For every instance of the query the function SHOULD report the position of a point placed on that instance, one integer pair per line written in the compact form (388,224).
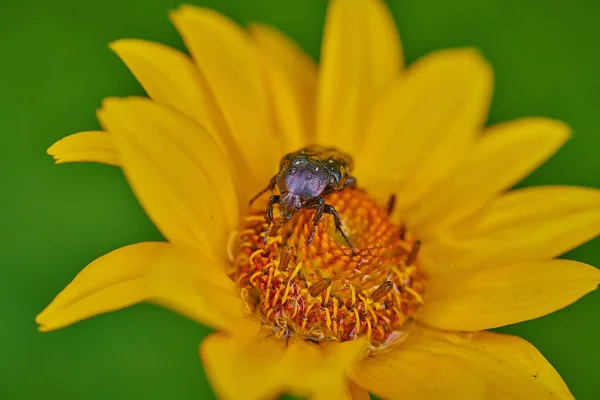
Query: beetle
(305,177)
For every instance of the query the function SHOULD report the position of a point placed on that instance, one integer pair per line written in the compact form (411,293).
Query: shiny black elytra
(304,178)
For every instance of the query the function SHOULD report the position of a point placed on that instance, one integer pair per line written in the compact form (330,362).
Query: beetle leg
(317,203)
(350,182)
(391,204)
(269,216)
(271,186)
(338,224)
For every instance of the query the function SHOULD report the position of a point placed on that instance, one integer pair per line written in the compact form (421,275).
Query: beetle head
(290,203)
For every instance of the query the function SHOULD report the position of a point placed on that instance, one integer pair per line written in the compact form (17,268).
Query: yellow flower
(396,319)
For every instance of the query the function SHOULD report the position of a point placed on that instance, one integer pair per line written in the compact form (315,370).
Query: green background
(55,69)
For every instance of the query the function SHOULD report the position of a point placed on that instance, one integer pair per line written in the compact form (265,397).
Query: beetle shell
(304,178)
(313,170)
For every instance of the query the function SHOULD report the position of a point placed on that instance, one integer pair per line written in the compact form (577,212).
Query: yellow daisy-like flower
(405,317)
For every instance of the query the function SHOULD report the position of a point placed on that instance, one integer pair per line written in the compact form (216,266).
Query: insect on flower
(305,177)
(463,253)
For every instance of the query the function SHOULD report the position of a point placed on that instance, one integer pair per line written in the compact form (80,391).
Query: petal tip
(51,151)
(188,11)
(54,152)
(255,27)
(112,103)
(114,45)
(556,126)
(564,129)
(108,102)
(193,15)
(46,326)
(42,321)
(475,56)
(117,46)
(467,60)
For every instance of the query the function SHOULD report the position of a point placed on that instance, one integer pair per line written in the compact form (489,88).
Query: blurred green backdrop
(55,69)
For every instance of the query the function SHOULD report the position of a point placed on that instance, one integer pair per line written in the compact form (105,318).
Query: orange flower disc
(321,291)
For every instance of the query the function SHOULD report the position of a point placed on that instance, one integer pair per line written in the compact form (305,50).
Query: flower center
(321,291)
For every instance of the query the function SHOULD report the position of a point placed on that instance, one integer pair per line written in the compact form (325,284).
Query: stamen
(254,218)
(254,254)
(280,322)
(271,270)
(248,309)
(296,308)
(402,231)
(243,276)
(335,315)
(289,282)
(246,246)
(416,295)
(296,270)
(276,296)
(391,204)
(412,256)
(327,294)
(273,239)
(328,318)
(310,306)
(322,291)
(357,323)
(382,291)
(353,295)
(254,276)
(318,287)
(373,314)
(286,256)
(269,313)
(233,236)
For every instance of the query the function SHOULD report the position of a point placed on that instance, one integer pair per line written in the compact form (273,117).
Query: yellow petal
(177,171)
(111,282)
(506,154)
(525,224)
(291,78)
(486,298)
(264,367)
(190,283)
(147,272)
(92,146)
(426,123)
(511,367)
(357,392)
(418,369)
(331,362)
(361,56)
(229,359)
(171,78)
(229,62)
(433,364)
